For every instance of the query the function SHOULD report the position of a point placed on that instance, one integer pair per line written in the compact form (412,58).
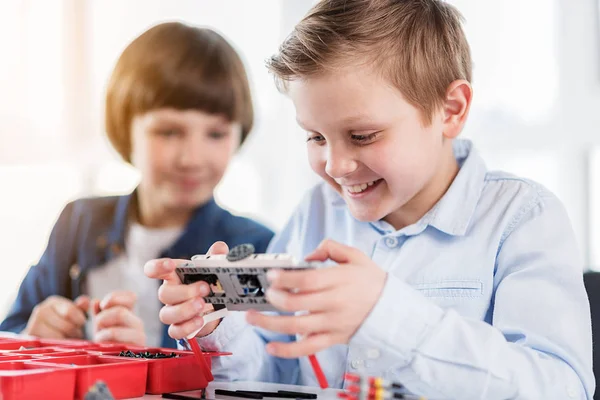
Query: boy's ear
(456,107)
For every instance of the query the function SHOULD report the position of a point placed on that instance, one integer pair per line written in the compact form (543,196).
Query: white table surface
(327,394)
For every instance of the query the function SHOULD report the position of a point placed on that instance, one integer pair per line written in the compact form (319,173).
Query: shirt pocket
(450,288)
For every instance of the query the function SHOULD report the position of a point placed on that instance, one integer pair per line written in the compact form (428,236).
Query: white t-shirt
(126,272)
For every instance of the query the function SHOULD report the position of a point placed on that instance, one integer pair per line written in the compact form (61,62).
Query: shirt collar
(201,220)
(455,210)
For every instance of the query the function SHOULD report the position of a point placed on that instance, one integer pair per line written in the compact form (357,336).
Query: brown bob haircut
(417,45)
(173,65)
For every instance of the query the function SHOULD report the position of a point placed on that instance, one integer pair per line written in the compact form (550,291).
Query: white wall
(550,139)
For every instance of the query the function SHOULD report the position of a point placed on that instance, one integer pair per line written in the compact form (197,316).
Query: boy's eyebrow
(353,119)
(363,118)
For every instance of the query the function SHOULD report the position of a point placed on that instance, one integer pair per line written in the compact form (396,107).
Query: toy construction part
(238,280)
(240,252)
(99,392)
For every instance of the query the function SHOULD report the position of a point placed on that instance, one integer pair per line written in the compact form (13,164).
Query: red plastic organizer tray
(125,378)
(16,344)
(27,380)
(43,352)
(179,374)
(28,369)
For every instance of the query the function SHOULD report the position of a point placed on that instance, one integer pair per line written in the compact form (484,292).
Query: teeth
(360,188)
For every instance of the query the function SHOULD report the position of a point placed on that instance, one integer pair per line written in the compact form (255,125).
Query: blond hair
(418,45)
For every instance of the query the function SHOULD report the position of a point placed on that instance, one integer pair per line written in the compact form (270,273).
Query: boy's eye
(216,135)
(315,138)
(364,138)
(169,132)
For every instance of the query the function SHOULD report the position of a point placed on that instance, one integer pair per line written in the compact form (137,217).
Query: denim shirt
(484,297)
(90,232)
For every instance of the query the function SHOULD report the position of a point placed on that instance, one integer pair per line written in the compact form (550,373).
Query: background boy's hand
(337,298)
(58,318)
(184,304)
(115,321)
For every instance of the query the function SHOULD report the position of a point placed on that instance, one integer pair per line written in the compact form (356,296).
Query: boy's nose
(191,152)
(189,156)
(340,164)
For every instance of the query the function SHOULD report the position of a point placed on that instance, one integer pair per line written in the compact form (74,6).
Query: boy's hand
(184,304)
(58,318)
(115,320)
(337,298)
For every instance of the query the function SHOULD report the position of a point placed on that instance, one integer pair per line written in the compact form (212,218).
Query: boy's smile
(372,146)
(360,189)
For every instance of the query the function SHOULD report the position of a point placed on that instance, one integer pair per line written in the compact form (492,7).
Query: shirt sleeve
(539,346)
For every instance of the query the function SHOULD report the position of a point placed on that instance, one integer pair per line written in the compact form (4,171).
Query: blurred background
(536,110)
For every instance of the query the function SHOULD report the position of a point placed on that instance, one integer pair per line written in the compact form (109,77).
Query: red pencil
(201,360)
(318,371)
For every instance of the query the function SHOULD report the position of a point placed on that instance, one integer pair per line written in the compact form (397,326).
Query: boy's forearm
(441,354)
(485,366)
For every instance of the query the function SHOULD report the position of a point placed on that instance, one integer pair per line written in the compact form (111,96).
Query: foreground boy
(459,282)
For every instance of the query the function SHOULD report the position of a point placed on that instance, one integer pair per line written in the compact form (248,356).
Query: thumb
(337,252)
(218,248)
(163,268)
(83,302)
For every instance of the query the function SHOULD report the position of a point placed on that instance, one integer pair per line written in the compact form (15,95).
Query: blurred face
(182,156)
(371,146)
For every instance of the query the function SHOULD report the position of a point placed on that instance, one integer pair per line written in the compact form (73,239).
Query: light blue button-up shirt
(484,297)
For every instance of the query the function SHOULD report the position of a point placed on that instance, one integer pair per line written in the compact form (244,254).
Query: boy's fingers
(68,311)
(310,280)
(218,248)
(182,312)
(83,303)
(47,331)
(117,316)
(175,294)
(124,298)
(163,268)
(337,252)
(183,330)
(56,320)
(121,335)
(321,300)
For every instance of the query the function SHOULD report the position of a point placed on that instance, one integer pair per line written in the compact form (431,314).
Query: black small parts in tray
(146,354)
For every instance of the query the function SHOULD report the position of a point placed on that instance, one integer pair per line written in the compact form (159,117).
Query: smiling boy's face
(371,145)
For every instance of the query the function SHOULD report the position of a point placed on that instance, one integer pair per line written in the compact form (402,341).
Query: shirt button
(74,272)
(391,242)
(116,249)
(572,392)
(356,364)
(101,242)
